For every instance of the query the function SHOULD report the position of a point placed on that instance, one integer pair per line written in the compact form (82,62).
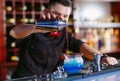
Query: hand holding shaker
(51,25)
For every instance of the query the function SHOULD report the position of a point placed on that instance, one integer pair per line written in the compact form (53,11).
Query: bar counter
(107,73)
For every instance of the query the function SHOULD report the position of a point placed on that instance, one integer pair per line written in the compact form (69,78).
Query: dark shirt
(40,53)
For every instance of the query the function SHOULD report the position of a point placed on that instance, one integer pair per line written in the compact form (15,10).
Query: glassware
(97,60)
(45,77)
(60,73)
(73,63)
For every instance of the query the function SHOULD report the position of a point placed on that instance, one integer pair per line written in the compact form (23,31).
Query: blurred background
(96,22)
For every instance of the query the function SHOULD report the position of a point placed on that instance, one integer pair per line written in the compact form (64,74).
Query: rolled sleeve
(74,44)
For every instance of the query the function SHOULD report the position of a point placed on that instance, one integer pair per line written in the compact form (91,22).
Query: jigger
(97,59)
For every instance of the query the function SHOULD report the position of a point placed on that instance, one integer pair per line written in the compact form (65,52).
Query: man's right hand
(47,15)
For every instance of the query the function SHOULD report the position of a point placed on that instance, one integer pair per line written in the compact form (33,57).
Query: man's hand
(109,60)
(47,15)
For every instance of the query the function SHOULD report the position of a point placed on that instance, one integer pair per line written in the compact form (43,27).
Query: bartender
(41,50)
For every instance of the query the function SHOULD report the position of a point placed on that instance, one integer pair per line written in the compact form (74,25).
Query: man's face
(62,11)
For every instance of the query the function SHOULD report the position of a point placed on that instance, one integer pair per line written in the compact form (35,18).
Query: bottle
(51,25)
(11,21)
(9,8)
(14,58)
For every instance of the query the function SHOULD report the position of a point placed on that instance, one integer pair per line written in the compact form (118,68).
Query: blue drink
(73,63)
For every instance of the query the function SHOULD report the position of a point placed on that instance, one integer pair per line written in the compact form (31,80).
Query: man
(40,52)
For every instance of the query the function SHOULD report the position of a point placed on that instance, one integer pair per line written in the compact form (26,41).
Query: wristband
(104,56)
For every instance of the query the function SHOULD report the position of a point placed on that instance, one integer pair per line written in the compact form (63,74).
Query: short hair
(63,2)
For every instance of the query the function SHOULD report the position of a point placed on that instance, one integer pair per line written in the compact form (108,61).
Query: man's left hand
(109,60)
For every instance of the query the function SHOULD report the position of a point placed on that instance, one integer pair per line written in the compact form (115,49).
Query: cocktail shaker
(51,25)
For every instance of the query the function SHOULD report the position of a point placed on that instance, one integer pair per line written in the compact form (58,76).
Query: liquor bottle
(11,21)
(24,20)
(14,58)
(107,39)
(9,8)
(31,20)
(116,18)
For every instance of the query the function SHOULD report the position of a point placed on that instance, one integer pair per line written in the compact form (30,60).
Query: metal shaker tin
(52,25)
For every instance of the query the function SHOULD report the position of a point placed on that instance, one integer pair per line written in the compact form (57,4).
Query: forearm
(22,30)
(88,51)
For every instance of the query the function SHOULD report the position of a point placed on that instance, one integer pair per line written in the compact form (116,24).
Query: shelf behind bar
(112,51)
(26,12)
(41,1)
(8,64)
(99,25)
(13,49)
